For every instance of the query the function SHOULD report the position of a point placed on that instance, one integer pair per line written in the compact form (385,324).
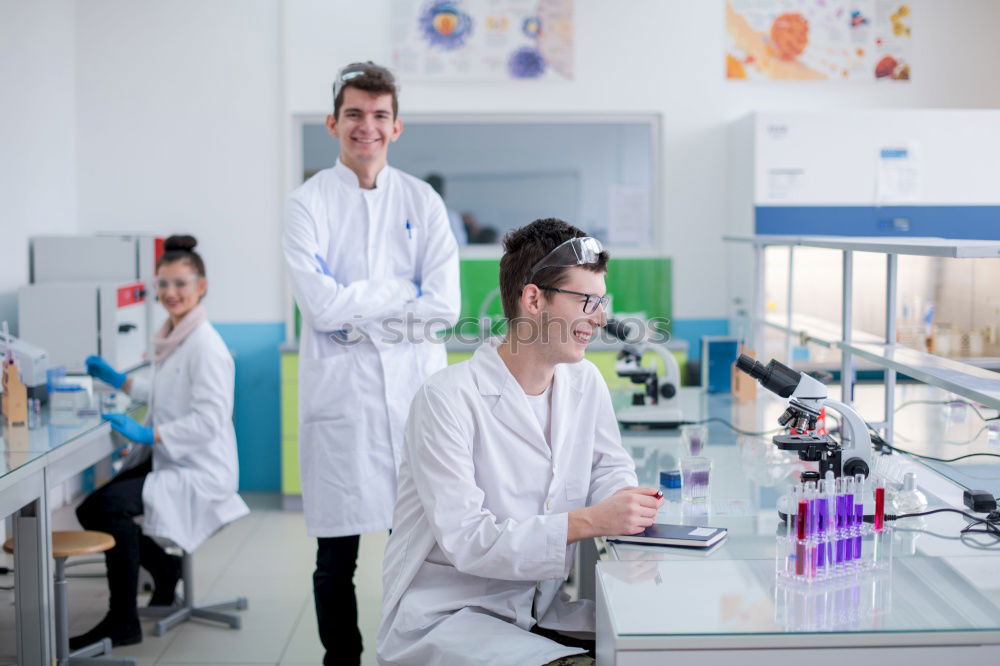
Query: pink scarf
(167,339)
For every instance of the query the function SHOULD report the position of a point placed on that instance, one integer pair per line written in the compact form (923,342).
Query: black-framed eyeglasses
(590,305)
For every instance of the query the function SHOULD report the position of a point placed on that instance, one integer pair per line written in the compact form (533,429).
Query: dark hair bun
(180,244)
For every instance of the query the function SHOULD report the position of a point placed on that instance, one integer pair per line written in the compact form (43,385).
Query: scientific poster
(484,40)
(819,40)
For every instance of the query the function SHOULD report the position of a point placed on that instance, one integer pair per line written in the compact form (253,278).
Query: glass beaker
(695,478)
(695,437)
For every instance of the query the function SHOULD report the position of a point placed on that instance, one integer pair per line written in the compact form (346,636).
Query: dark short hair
(181,248)
(525,247)
(436,181)
(375,79)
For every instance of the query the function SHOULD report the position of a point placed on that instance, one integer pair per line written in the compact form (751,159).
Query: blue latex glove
(130,428)
(419,290)
(98,367)
(323,269)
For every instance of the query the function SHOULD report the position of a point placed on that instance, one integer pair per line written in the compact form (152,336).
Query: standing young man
(511,458)
(374,269)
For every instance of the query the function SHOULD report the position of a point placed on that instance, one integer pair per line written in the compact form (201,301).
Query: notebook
(691,536)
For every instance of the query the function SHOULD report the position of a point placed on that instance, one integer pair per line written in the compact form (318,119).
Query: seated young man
(511,458)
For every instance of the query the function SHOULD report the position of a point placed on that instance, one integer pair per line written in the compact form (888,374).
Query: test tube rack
(842,553)
(854,601)
(827,535)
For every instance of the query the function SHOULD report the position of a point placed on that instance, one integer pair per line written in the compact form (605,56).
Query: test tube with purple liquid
(822,527)
(840,552)
(849,524)
(859,513)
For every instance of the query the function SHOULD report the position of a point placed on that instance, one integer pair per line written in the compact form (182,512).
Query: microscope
(806,395)
(657,406)
(851,456)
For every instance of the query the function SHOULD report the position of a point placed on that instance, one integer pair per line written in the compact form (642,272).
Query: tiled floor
(265,557)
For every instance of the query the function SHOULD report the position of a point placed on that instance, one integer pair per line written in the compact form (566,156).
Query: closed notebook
(691,536)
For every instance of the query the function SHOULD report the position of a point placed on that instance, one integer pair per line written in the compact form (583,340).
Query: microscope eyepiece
(775,377)
(751,367)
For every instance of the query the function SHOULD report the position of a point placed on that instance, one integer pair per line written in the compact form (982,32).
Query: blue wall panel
(257,409)
(692,330)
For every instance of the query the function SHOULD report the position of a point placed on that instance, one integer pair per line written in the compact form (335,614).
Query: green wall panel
(290,480)
(641,285)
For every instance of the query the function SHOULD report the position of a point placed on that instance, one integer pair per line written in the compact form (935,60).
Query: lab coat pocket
(326,389)
(333,452)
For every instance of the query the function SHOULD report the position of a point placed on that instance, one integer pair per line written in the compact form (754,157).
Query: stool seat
(74,542)
(67,544)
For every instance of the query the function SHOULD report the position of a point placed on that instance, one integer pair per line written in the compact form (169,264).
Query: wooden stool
(68,544)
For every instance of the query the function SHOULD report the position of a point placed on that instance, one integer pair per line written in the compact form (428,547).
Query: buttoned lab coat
(191,491)
(478,549)
(363,347)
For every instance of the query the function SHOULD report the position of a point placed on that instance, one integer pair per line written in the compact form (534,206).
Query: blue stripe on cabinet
(966,222)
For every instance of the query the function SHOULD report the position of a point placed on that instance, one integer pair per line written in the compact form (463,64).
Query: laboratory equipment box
(72,320)
(100,258)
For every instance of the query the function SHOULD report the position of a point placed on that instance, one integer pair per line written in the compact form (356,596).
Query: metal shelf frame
(962,379)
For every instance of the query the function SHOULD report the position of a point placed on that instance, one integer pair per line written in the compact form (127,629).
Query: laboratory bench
(937,600)
(34,464)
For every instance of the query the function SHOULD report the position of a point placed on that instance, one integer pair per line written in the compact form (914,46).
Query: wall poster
(819,40)
(468,40)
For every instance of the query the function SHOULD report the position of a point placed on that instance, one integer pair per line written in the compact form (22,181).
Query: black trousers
(569,641)
(113,509)
(336,604)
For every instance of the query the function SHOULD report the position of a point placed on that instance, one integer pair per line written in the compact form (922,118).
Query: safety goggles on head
(355,70)
(574,252)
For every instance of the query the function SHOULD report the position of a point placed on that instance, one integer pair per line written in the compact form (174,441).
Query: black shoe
(121,633)
(165,586)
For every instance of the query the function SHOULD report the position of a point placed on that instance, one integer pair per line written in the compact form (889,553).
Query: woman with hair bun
(183,477)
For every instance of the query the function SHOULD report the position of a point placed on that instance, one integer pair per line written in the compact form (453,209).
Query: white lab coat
(362,352)
(480,526)
(191,491)
(458,228)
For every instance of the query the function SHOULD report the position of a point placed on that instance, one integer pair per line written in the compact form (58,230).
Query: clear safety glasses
(354,70)
(574,252)
(178,283)
(591,301)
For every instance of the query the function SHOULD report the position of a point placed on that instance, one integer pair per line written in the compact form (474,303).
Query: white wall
(179,131)
(37,134)
(181,116)
(662,56)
